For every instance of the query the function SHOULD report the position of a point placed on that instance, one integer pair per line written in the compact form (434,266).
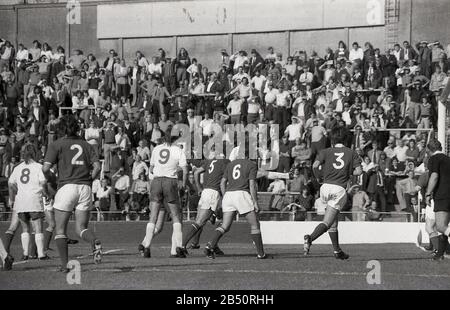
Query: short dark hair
(338,135)
(70,126)
(434,145)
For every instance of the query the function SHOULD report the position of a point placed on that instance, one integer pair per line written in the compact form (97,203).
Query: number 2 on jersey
(75,160)
(339,164)
(236,172)
(164,155)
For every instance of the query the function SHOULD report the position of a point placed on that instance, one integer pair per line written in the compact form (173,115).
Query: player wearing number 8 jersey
(164,163)
(77,165)
(239,189)
(338,163)
(27,186)
(213,170)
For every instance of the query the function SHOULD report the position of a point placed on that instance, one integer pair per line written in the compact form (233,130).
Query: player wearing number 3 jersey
(338,163)
(239,191)
(164,163)
(77,165)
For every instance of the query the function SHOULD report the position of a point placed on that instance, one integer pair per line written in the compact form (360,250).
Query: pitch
(403,266)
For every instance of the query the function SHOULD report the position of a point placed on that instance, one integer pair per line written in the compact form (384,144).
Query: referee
(438,189)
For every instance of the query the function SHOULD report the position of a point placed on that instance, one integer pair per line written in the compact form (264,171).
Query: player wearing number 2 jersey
(77,165)
(213,170)
(239,188)
(164,163)
(338,163)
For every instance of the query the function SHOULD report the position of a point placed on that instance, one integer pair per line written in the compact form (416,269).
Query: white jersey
(28,179)
(166,159)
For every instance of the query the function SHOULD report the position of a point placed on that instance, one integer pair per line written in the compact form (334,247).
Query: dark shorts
(442,205)
(164,189)
(27,216)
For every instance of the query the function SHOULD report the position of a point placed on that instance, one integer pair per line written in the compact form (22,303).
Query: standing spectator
(121,76)
(360,202)
(182,62)
(424,58)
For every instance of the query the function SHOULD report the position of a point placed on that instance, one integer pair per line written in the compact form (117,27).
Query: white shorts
(73,196)
(209,199)
(240,201)
(429,211)
(334,196)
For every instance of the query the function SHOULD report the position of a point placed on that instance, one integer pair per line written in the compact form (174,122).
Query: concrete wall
(46,22)
(424,20)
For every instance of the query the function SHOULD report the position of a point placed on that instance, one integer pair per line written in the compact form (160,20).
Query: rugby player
(27,186)
(164,163)
(338,164)
(239,190)
(213,170)
(77,165)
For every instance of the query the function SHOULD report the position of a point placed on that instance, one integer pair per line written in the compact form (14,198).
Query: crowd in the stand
(125,108)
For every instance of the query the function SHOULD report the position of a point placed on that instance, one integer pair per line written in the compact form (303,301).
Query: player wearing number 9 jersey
(239,191)
(338,163)
(77,165)
(165,161)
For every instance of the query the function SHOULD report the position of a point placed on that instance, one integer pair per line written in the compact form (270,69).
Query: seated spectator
(140,191)
(277,187)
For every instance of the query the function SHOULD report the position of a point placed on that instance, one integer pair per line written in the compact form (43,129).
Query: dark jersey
(238,173)
(74,158)
(338,164)
(440,164)
(214,170)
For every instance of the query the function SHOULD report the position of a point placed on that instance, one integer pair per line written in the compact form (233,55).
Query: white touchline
(135,269)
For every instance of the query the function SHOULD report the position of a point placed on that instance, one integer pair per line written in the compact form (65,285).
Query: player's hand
(257,208)
(428,200)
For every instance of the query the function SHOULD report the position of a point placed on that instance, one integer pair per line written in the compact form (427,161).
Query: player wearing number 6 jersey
(77,165)
(239,189)
(213,170)
(164,163)
(338,163)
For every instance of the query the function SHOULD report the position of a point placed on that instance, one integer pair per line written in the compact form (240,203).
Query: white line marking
(290,272)
(104,253)
(21,262)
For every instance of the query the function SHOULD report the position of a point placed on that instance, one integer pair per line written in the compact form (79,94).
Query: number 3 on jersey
(164,156)
(339,164)
(236,172)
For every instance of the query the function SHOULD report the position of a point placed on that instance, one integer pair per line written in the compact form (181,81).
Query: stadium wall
(46,20)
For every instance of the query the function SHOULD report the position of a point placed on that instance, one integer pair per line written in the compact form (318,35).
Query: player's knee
(255,230)
(441,227)
(327,224)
